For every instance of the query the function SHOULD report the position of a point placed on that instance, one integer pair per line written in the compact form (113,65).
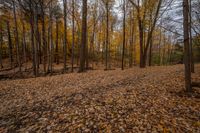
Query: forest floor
(133,100)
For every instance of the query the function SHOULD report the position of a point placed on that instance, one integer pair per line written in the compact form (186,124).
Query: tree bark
(124,33)
(16,36)
(44,41)
(57,36)
(24,42)
(107,35)
(83,37)
(36,37)
(10,47)
(150,52)
(73,34)
(191,40)
(186,47)
(65,35)
(51,38)
(31,19)
(131,48)
(1,43)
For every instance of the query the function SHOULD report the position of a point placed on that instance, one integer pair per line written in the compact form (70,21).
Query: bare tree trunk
(39,45)
(65,35)
(33,46)
(1,43)
(44,41)
(83,37)
(164,50)
(57,36)
(124,33)
(24,42)
(131,40)
(78,47)
(36,37)
(17,37)
(191,40)
(73,32)
(107,34)
(187,47)
(51,38)
(150,52)
(10,45)
(142,61)
(92,43)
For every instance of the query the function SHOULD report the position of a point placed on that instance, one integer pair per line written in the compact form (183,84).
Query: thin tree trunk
(10,45)
(36,37)
(160,40)
(33,43)
(191,40)
(107,34)
(51,38)
(24,43)
(65,35)
(142,61)
(57,36)
(83,37)
(39,45)
(73,32)
(131,40)
(150,52)
(124,34)
(1,43)
(44,39)
(164,50)
(186,47)
(17,37)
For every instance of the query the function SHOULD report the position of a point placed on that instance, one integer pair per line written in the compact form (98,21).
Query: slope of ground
(133,100)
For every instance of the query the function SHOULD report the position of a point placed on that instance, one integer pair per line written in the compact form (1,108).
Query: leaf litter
(133,100)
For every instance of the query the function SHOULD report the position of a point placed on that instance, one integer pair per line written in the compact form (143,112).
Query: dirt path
(134,100)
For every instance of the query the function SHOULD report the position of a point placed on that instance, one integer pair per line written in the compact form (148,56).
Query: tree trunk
(10,45)
(150,52)
(17,37)
(24,42)
(44,39)
(65,35)
(31,19)
(73,34)
(51,38)
(186,47)
(36,37)
(1,43)
(124,33)
(191,43)
(83,37)
(142,60)
(57,36)
(131,48)
(107,34)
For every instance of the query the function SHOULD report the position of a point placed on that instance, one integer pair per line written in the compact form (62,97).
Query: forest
(100,66)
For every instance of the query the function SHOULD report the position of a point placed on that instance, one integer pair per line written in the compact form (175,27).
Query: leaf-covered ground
(133,100)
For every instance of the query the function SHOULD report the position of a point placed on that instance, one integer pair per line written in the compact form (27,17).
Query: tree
(132,49)
(124,32)
(186,46)
(65,35)
(44,41)
(83,37)
(1,43)
(190,30)
(73,33)
(142,10)
(10,45)
(16,36)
